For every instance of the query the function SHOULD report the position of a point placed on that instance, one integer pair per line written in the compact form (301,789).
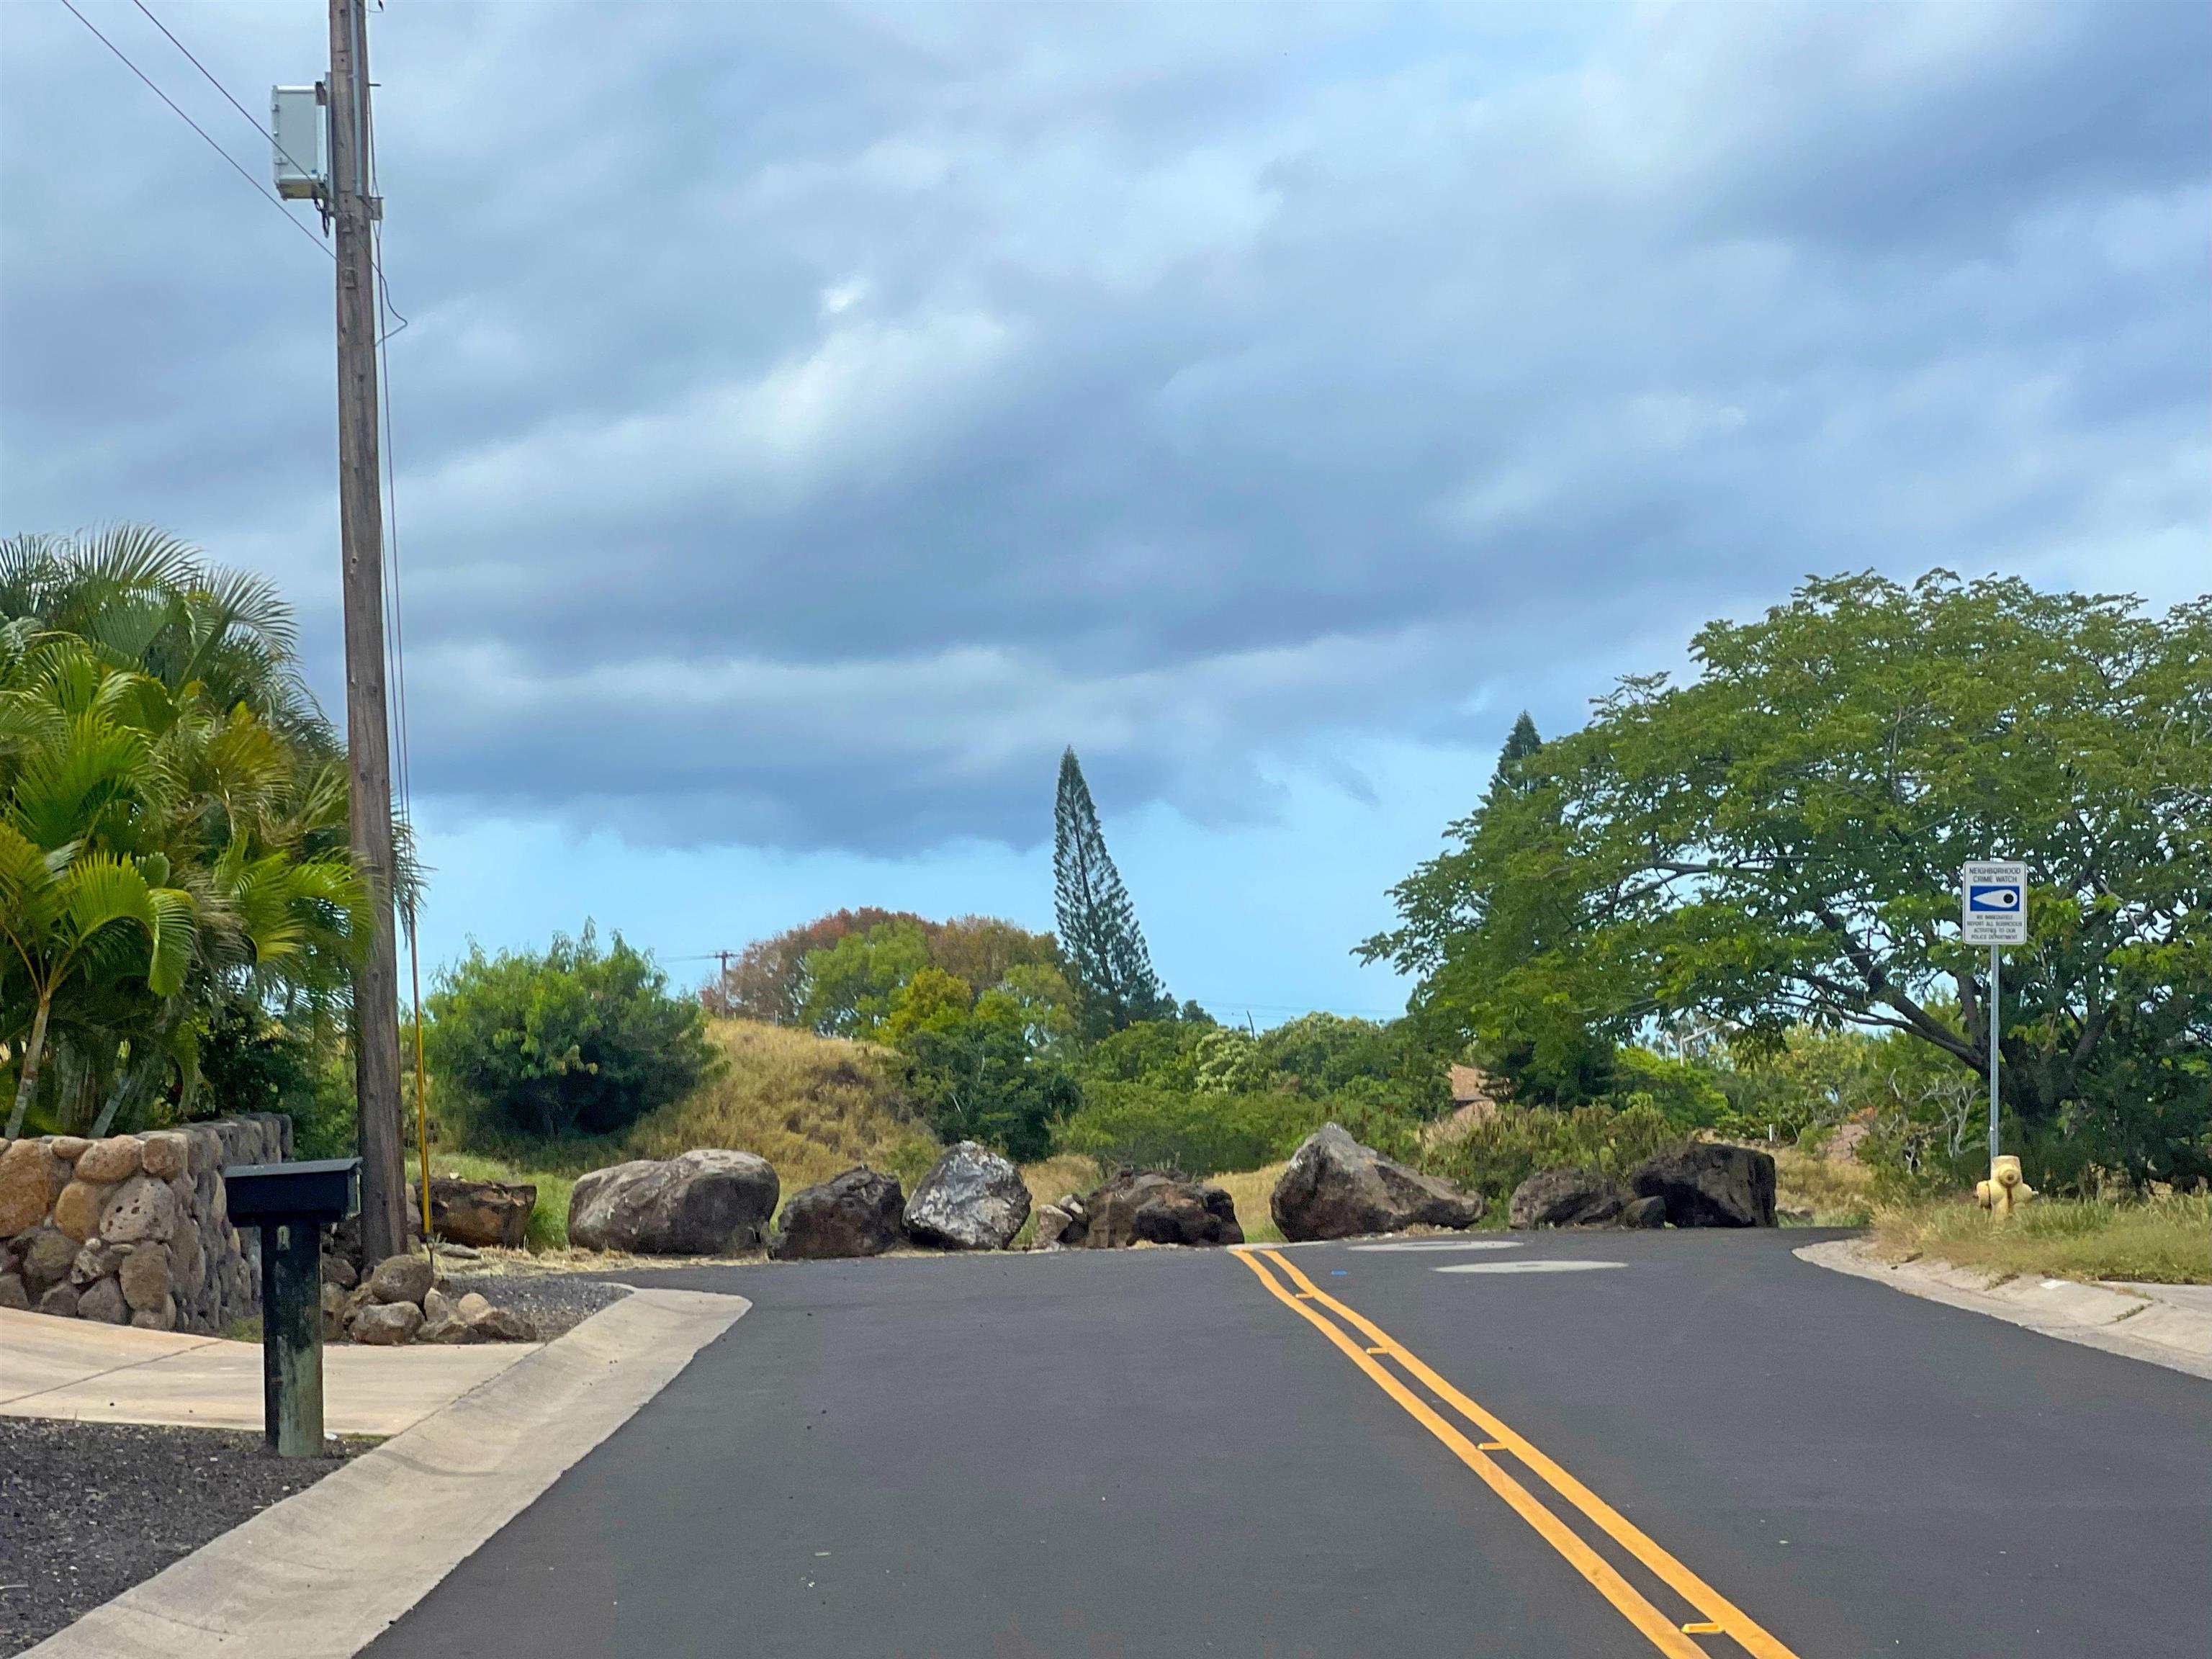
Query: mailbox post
(292,1203)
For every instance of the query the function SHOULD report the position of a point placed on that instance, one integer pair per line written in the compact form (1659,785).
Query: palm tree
(143,601)
(71,918)
(158,752)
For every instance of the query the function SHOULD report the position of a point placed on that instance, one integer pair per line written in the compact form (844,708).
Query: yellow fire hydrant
(2005,1191)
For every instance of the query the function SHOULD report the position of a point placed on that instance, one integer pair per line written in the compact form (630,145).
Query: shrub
(1496,1155)
(975,1078)
(1135,1126)
(576,1041)
(251,1061)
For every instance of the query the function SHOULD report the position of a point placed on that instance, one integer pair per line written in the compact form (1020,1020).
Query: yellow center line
(1722,1616)
(1579,1555)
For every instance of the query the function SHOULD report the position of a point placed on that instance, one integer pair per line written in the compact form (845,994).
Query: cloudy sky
(811,418)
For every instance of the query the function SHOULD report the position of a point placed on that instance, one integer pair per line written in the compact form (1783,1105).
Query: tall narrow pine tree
(1097,924)
(1521,743)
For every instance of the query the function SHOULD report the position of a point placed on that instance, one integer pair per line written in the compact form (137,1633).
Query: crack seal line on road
(1720,1615)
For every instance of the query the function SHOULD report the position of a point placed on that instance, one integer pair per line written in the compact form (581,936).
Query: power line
(209,75)
(122,57)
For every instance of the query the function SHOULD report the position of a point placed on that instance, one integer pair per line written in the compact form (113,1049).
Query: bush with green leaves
(1496,1155)
(251,1061)
(572,1041)
(979,1079)
(1142,1126)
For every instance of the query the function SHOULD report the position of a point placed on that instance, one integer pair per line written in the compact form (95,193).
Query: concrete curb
(324,1573)
(2132,1324)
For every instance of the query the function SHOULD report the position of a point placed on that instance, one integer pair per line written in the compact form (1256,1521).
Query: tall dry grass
(1251,1188)
(1838,1192)
(1050,1179)
(2165,1240)
(811,1106)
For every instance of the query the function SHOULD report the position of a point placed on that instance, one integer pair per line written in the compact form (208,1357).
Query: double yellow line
(1720,1616)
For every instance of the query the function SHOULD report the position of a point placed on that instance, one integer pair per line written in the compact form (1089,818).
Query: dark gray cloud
(810,418)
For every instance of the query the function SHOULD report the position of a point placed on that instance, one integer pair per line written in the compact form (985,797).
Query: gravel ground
(557,1302)
(88,1510)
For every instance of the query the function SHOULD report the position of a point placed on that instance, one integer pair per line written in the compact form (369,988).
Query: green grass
(2164,1240)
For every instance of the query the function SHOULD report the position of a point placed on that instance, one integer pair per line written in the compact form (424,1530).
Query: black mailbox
(318,1194)
(292,1203)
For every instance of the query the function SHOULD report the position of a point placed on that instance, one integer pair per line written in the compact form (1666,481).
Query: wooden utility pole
(368,740)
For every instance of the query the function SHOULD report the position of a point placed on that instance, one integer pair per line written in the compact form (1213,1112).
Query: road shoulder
(296,1581)
(2134,1321)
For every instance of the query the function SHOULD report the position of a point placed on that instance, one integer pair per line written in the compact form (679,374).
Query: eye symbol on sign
(1993,898)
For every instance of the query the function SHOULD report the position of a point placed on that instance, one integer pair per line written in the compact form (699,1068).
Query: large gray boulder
(706,1202)
(860,1212)
(971,1199)
(1706,1184)
(1567,1198)
(1157,1209)
(1334,1187)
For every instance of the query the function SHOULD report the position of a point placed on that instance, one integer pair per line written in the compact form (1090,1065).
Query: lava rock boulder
(709,1201)
(1334,1187)
(1567,1198)
(1154,1208)
(482,1214)
(971,1199)
(1709,1184)
(860,1212)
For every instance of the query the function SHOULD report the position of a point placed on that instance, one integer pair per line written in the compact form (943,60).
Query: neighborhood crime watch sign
(1993,902)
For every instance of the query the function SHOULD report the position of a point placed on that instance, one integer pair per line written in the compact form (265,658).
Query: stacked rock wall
(134,1229)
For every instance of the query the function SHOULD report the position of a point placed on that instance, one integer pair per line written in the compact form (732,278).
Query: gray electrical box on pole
(297,122)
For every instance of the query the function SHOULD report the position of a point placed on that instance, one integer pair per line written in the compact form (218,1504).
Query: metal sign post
(1993,911)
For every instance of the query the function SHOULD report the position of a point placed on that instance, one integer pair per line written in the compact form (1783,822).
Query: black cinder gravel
(88,1510)
(556,1303)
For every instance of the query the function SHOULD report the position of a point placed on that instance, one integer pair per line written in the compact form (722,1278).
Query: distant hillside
(812,1106)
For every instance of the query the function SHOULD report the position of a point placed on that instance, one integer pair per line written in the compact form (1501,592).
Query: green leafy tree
(575,1040)
(849,987)
(1099,930)
(1778,841)
(767,979)
(1322,1054)
(1229,1062)
(977,1076)
(837,974)
(1482,926)
(1162,1052)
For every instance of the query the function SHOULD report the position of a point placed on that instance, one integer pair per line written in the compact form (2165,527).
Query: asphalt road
(1113,1456)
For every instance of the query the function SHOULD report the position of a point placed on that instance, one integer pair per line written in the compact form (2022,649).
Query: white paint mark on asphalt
(1446,1244)
(1551,1265)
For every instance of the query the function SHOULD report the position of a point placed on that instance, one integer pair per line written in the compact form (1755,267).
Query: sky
(810,419)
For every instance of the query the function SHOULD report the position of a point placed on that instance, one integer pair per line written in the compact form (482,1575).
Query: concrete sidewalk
(90,1372)
(322,1574)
